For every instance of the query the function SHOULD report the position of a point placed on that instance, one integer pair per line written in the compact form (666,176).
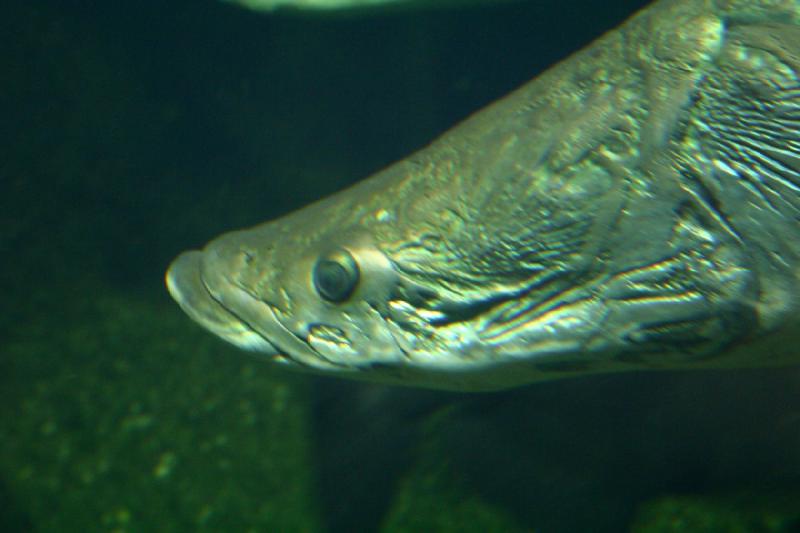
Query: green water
(131,133)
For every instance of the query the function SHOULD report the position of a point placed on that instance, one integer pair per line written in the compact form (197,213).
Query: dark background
(132,131)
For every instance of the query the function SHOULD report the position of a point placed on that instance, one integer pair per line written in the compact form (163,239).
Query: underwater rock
(104,427)
(750,512)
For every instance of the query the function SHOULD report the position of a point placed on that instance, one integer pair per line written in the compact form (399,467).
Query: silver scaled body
(635,207)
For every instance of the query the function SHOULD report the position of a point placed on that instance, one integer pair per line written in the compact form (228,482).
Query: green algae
(119,415)
(750,512)
(432,496)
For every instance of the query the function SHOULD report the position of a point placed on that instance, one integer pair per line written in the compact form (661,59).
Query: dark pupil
(333,281)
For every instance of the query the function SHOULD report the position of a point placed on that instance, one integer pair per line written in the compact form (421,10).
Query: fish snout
(188,287)
(183,280)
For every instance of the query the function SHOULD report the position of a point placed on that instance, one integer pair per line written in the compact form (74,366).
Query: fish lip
(185,283)
(302,355)
(254,313)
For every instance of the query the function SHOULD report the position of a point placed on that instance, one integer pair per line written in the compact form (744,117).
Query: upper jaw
(204,283)
(186,286)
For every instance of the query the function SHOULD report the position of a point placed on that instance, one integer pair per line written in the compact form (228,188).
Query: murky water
(134,131)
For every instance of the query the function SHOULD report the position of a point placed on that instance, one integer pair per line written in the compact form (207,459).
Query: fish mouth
(196,280)
(186,286)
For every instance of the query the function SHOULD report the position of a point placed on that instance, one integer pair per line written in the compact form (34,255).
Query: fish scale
(634,207)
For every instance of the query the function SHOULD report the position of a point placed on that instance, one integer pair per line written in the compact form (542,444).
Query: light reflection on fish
(634,207)
(350,5)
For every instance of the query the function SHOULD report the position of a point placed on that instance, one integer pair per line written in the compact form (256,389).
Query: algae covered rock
(118,417)
(773,512)
(433,496)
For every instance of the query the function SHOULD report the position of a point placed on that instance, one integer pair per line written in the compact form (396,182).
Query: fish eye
(336,275)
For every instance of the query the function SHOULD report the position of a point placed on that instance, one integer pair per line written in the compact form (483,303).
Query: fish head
(610,215)
(322,289)
(399,280)
(305,290)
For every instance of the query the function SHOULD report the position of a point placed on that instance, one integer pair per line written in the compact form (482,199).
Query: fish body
(329,6)
(272,5)
(634,207)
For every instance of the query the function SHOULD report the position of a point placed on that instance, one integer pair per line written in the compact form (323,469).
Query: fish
(335,6)
(635,207)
